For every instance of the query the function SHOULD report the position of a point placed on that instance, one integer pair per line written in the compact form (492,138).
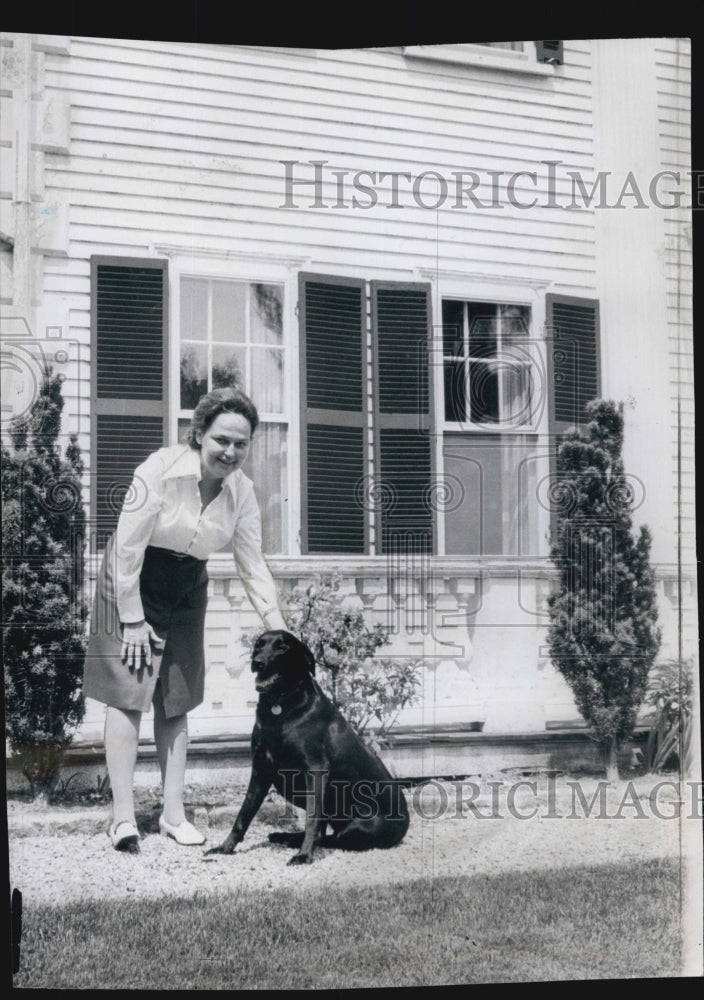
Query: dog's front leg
(259,785)
(316,820)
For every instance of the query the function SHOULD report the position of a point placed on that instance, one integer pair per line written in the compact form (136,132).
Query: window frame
(268,271)
(492,290)
(484,56)
(246,346)
(492,293)
(468,359)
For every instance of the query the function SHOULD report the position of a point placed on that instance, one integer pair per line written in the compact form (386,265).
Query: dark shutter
(549,50)
(573,358)
(401,331)
(129,377)
(334,443)
(574,377)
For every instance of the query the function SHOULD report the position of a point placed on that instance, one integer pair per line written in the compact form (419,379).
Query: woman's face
(224,446)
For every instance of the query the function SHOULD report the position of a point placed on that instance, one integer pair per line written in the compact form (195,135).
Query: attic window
(538,58)
(514,46)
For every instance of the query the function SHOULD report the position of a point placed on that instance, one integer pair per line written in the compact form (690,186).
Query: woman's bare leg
(121,742)
(171,737)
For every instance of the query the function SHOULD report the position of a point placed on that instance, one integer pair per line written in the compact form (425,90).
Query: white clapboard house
(421,261)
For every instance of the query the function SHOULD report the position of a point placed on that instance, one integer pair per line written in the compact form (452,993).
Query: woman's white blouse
(163,508)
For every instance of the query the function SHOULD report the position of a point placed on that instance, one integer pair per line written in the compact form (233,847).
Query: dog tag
(276,709)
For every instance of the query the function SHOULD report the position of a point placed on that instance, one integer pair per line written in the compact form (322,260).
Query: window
(491,481)
(231,334)
(513,46)
(538,58)
(487,363)
(491,382)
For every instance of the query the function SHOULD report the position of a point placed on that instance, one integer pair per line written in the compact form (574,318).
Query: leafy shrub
(671,693)
(370,691)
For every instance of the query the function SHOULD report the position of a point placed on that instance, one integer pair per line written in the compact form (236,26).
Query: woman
(185,502)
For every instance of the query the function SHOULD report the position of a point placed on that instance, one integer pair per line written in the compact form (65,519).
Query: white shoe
(124,836)
(185,833)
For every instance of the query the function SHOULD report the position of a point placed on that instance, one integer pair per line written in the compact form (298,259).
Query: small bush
(671,693)
(44,613)
(370,691)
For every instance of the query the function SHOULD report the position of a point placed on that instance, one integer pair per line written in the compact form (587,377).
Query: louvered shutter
(128,375)
(574,376)
(334,442)
(573,358)
(401,331)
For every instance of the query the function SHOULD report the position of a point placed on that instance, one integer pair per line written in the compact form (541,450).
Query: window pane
(266,466)
(267,379)
(220,321)
(517,358)
(515,322)
(516,402)
(266,314)
(455,391)
(484,392)
(452,319)
(229,298)
(515,46)
(194,309)
(228,366)
(184,425)
(491,483)
(481,317)
(194,378)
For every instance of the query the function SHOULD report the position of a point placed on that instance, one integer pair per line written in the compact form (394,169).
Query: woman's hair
(216,402)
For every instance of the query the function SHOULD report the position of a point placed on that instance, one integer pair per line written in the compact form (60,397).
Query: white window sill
(465,430)
(510,60)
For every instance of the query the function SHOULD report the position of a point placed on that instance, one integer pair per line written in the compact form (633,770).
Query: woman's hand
(136,641)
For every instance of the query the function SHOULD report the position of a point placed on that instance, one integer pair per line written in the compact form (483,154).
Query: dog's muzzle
(267,684)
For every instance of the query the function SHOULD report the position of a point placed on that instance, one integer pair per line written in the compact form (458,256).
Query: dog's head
(279,659)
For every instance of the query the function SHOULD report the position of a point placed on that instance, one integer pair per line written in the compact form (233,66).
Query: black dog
(303,746)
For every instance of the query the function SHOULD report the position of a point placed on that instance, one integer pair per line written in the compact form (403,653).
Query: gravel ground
(64,855)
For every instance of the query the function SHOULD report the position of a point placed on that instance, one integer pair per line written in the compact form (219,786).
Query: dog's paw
(301,859)
(227,847)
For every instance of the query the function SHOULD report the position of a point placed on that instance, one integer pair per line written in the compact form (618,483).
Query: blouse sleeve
(251,565)
(134,529)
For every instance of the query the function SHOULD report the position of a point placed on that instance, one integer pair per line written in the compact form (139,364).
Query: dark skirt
(174,593)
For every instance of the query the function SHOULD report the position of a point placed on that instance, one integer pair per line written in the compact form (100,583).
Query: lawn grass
(616,921)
